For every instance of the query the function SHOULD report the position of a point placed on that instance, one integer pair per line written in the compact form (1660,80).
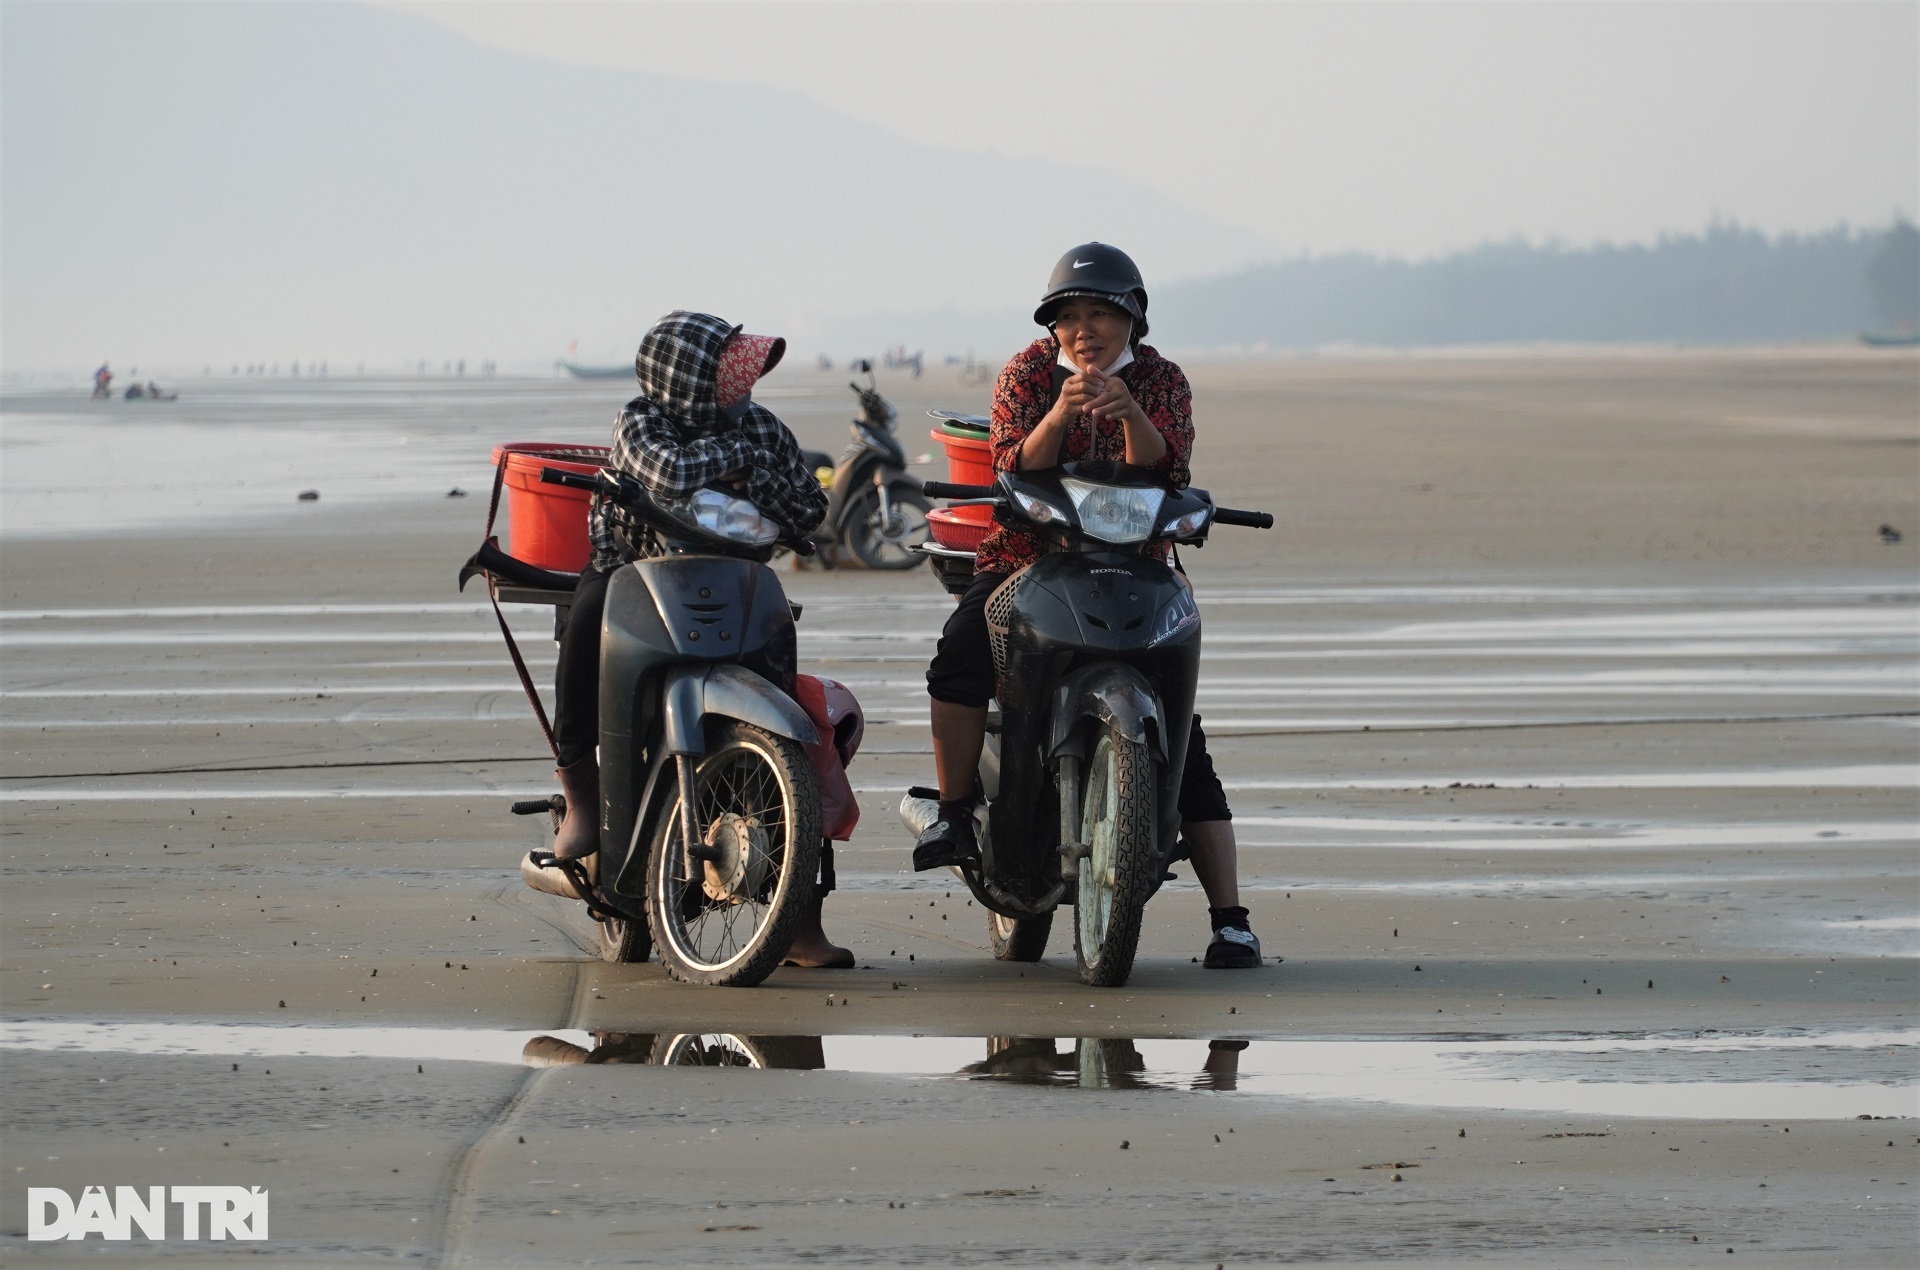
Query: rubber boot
(811,947)
(580,832)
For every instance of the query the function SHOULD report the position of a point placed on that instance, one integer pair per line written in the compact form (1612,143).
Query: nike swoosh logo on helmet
(1081,264)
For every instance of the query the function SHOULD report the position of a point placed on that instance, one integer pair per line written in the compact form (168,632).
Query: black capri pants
(962,674)
(576,686)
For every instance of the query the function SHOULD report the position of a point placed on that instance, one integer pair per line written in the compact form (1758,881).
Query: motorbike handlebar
(1252,520)
(555,476)
(946,489)
(601,483)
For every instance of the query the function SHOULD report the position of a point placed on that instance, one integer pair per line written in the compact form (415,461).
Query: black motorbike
(875,509)
(697,710)
(1096,647)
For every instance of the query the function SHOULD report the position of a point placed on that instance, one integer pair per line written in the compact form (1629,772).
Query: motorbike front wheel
(1117,875)
(725,1049)
(729,921)
(888,542)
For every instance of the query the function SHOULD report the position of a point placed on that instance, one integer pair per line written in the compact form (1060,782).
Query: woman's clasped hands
(1098,396)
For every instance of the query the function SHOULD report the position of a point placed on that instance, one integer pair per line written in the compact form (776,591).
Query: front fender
(1114,693)
(691,692)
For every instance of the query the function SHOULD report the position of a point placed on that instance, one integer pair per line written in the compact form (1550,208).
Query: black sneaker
(1234,946)
(947,840)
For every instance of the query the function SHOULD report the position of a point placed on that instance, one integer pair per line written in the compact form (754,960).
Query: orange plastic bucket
(547,524)
(969,462)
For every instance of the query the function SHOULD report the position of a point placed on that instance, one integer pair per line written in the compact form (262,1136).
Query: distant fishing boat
(596,372)
(1891,339)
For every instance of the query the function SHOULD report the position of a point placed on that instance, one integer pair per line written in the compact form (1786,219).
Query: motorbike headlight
(1039,510)
(725,516)
(1190,523)
(1114,513)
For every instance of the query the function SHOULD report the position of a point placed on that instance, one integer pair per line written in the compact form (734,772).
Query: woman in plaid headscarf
(695,422)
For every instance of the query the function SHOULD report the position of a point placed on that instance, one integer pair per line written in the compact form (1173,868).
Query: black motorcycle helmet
(1101,273)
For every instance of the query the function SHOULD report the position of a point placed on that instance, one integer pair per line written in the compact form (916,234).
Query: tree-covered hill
(1728,284)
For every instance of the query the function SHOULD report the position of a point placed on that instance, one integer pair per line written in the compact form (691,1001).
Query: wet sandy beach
(1569,715)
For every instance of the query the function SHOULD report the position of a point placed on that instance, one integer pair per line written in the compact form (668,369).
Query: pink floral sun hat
(742,362)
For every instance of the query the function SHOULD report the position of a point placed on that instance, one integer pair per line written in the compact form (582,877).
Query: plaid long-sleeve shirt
(674,438)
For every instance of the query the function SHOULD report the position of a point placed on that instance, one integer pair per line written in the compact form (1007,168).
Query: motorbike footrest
(1075,851)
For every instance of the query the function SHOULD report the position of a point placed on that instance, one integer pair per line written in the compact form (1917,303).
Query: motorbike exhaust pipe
(552,880)
(918,810)
(916,813)
(551,1051)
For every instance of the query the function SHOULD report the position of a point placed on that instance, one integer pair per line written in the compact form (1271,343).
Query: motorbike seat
(499,565)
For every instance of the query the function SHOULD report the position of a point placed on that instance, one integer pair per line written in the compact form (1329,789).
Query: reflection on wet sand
(680,1049)
(1090,1063)
(1702,1074)
(1098,1063)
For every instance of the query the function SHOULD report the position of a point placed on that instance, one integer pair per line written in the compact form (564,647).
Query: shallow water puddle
(277,793)
(1699,1076)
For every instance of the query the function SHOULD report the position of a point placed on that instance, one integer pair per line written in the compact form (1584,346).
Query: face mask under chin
(738,410)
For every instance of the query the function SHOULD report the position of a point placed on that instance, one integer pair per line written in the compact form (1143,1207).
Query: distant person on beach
(1089,390)
(695,422)
(103,381)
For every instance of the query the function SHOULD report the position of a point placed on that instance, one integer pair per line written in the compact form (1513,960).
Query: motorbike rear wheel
(889,542)
(730,923)
(619,940)
(623,939)
(1019,938)
(1118,874)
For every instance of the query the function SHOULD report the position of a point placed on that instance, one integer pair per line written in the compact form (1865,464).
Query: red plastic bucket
(960,528)
(547,524)
(969,461)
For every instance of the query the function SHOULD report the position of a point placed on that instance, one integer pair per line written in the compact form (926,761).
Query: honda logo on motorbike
(232,1212)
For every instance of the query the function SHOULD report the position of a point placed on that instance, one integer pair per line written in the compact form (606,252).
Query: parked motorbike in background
(875,509)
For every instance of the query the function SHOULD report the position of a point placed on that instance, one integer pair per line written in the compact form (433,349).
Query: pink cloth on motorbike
(743,360)
(835,715)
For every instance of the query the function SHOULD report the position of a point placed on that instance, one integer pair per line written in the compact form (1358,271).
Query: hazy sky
(1409,128)
(219,183)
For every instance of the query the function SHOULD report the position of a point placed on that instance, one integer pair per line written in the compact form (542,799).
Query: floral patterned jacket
(1022,398)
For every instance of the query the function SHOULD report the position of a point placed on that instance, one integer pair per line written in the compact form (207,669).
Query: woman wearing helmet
(1089,390)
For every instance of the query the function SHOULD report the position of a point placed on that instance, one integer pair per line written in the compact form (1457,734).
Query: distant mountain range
(235,182)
